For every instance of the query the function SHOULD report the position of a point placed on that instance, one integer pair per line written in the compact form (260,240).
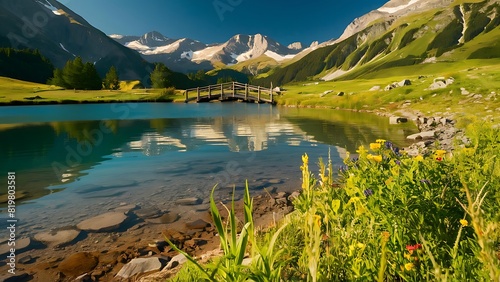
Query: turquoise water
(75,161)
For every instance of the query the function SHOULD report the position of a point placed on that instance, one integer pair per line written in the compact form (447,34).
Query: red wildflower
(413,247)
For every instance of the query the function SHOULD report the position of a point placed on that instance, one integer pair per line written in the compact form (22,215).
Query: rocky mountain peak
(295,46)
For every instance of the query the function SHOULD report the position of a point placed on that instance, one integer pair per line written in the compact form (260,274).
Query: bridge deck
(231,91)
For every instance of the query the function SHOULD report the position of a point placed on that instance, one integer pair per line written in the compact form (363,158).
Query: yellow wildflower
(375,146)
(407,256)
(409,266)
(380,141)
(360,245)
(440,152)
(317,220)
(361,150)
(464,222)
(419,158)
(377,158)
(305,159)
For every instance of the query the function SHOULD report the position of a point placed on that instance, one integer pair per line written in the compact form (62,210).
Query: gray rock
(375,88)
(150,212)
(104,222)
(341,93)
(422,135)
(57,238)
(189,201)
(175,261)
(404,82)
(437,85)
(139,266)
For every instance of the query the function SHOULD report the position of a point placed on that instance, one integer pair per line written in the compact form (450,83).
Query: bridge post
(197,94)
(246,91)
(258,94)
(221,91)
(186,96)
(210,92)
(271,93)
(233,90)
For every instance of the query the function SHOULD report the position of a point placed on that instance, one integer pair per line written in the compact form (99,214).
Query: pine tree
(90,78)
(72,73)
(112,81)
(58,79)
(161,76)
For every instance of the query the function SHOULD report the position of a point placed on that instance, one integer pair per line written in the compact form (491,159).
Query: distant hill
(402,32)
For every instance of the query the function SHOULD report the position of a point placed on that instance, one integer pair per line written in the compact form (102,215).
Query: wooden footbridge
(230,91)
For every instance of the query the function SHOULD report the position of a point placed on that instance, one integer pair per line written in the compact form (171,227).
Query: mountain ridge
(188,55)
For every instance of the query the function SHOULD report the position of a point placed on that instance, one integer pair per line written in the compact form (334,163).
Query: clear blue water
(75,161)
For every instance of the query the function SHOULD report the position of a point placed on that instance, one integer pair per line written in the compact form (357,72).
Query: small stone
(145,213)
(26,260)
(375,88)
(164,219)
(175,261)
(422,135)
(197,224)
(189,201)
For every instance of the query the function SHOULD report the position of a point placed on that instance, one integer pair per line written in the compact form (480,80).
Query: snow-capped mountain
(60,34)
(188,55)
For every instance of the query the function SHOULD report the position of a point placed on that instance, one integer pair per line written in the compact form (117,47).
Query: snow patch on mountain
(116,36)
(392,10)
(277,57)
(49,6)
(136,45)
(187,55)
(207,53)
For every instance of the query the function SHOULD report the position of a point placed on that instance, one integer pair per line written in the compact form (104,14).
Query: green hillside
(430,36)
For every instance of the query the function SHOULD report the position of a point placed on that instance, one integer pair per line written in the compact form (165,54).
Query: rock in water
(139,266)
(102,223)
(77,264)
(57,238)
(197,224)
(189,201)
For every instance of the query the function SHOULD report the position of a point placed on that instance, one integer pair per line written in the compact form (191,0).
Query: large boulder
(77,264)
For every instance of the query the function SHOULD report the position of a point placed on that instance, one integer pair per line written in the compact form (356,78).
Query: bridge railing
(229,90)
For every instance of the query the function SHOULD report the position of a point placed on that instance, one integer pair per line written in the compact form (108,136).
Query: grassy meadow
(475,76)
(15,92)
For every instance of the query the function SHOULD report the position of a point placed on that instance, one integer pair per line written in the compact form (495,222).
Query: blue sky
(212,21)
